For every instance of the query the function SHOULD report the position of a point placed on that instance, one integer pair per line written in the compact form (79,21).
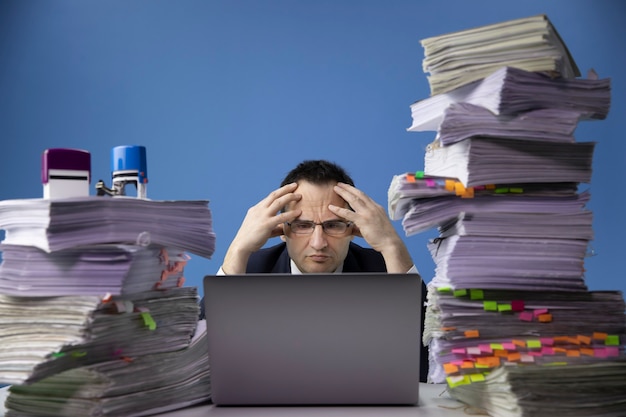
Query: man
(317,212)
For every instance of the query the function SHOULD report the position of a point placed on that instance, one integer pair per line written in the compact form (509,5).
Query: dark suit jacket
(275,259)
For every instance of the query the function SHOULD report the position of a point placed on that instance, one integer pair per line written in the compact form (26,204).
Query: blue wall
(228,95)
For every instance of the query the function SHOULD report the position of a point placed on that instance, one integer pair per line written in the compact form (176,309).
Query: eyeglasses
(330,227)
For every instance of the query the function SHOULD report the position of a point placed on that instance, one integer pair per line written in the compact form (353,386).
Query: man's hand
(372,223)
(262,222)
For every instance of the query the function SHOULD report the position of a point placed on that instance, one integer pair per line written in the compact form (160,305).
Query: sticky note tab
(612,340)
(456,380)
(148,320)
(503,308)
(419,174)
(545,318)
(450,368)
(476,294)
(410,178)
(477,377)
(472,333)
(444,289)
(585,340)
(600,336)
(449,185)
(430,183)
(460,293)
(490,305)
(517,305)
(533,343)
(526,316)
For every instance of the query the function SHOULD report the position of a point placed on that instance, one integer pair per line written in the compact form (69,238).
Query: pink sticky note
(429,182)
(484,348)
(509,346)
(547,341)
(540,311)
(526,316)
(547,350)
(459,351)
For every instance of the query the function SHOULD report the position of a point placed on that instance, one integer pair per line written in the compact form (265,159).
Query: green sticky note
(490,305)
(476,294)
(477,377)
(501,190)
(496,346)
(533,343)
(444,289)
(504,307)
(516,190)
(419,174)
(148,320)
(460,293)
(612,340)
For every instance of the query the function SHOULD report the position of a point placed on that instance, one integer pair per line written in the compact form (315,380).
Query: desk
(434,402)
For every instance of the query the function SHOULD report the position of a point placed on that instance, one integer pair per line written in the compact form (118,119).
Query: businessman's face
(317,249)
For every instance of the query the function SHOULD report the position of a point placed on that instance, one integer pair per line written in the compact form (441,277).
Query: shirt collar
(296,271)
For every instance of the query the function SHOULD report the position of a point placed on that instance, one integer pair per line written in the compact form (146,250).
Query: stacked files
(53,225)
(147,385)
(92,295)
(504,185)
(589,390)
(531,43)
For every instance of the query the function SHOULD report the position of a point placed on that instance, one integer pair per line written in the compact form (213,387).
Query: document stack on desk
(503,183)
(94,315)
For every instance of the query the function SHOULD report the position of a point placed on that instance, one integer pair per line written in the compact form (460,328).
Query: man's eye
(301,226)
(334,225)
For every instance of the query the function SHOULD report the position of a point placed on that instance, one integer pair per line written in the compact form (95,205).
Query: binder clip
(128,166)
(65,173)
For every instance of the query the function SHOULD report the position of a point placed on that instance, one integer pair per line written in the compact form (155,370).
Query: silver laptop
(282,339)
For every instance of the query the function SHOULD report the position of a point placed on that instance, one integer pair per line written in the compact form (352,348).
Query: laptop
(314,339)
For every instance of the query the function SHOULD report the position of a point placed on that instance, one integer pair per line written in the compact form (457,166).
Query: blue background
(228,95)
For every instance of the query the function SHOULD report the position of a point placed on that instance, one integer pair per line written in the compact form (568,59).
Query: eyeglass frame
(314,224)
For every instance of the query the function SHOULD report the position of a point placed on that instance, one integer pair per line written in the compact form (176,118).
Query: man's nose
(318,238)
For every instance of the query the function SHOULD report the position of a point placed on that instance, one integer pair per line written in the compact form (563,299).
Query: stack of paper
(531,43)
(53,225)
(502,183)
(145,385)
(95,318)
(112,268)
(575,391)
(508,91)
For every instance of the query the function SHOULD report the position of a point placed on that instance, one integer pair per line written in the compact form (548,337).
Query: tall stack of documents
(95,317)
(509,314)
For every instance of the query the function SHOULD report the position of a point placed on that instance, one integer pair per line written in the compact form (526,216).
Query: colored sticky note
(533,343)
(419,174)
(485,348)
(444,289)
(472,333)
(476,294)
(460,293)
(539,311)
(516,190)
(410,178)
(545,318)
(526,316)
(490,305)
(612,340)
(573,353)
(514,357)
(474,350)
(459,351)
(449,184)
(148,320)
(430,183)
(467,365)
(600,336)
(504,307)
(509,346)
(450,368)
(546,341)
(517,305)
(477,377)
(456,380)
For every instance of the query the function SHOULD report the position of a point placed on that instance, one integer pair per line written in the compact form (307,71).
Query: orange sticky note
(514,356)
(573,353)
(450,368)
(586,351)
(472,333)
(449,185)
(410,178)
(501,353)
(467,365)
(545,318)
(490,361)
(600,336)
(585,340)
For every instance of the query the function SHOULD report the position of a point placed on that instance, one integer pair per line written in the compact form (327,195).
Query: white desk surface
(434,402)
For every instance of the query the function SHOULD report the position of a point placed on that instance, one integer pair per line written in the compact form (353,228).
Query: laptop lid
(282,339)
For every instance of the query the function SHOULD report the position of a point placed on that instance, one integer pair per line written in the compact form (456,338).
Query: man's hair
(317,172)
